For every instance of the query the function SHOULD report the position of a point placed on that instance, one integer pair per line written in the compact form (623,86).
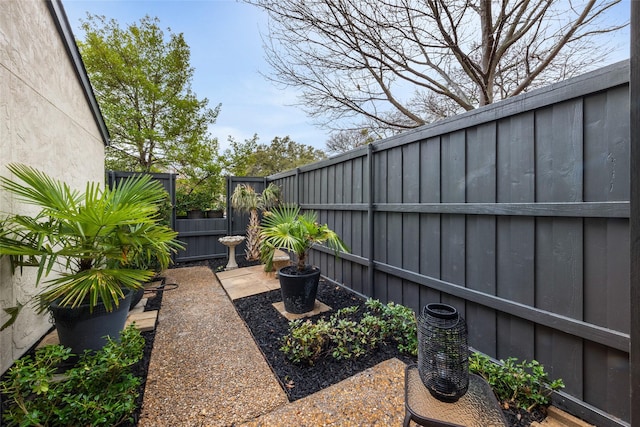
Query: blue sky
(226,52)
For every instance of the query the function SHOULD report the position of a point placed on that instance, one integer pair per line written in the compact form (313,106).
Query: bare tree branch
(398,64)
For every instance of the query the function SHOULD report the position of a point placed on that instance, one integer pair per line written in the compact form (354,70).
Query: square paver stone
(244,282)
(319,307)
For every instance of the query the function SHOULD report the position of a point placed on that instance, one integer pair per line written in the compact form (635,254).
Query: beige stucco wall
(45,122)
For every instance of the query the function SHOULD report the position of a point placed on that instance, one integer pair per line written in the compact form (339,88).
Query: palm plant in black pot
(287,229)
(84,243)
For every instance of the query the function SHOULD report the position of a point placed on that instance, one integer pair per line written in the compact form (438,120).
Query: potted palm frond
(287,229)
(84,243)
(246,199)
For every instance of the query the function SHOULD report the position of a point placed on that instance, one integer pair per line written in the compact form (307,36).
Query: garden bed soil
(141,368)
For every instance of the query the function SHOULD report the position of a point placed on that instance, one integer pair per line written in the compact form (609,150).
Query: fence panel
(168,181)
(238,220)
(201,238)
(201,235)
(517,214)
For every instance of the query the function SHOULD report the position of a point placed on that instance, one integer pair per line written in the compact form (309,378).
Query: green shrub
(343,337)
(305,340)
(524,385)
(99,390)
(399,323)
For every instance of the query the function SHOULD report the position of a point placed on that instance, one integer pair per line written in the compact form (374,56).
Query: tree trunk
(253,237)
(488,42)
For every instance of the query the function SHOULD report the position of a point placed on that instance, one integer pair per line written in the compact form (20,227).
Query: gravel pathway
(205,368)
(373,397)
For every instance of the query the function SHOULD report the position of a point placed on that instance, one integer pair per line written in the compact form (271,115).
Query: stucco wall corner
(46,123)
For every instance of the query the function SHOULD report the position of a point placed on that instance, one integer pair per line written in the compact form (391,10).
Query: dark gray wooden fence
(201,235)
(238,221)
(201,238)
(168,181)
(634,225)
(516,213)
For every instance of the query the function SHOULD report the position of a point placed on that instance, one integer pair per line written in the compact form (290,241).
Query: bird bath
(231,242)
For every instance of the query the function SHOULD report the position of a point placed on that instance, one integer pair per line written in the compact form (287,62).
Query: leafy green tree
(142,81)
(253,159)
(238,158)
(281,155)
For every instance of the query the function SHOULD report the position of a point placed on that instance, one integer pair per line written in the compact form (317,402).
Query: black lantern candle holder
(443,352)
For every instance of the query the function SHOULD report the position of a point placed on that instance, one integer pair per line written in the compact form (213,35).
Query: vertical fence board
(516,159)
(410,172)
(430,164)
(362,184)
(605,302)
(381,177)
(411,246)
(308,187)
(331,184)
(430,245)
(559,241)
(481,164)
(559,159)
(606,146)
(317,183)
(453,164)
(430,224)
(515,235)
(380,254)
(394,176)
(608,373)
(394,257)
(363,236)
(481,234)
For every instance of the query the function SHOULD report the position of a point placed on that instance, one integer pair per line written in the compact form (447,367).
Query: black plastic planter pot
(215,214)
(136,297)
(195,214)
(299,290)
(82,329)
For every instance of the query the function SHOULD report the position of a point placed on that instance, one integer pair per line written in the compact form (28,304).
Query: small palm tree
(246,199)
(286,228)
(89,238)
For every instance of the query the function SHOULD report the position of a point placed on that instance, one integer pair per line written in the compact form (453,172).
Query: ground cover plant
(352,332)
(138,370)
(98,390)
(522,385)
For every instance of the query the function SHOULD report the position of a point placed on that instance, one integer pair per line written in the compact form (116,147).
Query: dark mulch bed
(267,326)
(141,368)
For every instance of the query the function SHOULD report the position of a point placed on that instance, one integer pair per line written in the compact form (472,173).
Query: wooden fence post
(634,220)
